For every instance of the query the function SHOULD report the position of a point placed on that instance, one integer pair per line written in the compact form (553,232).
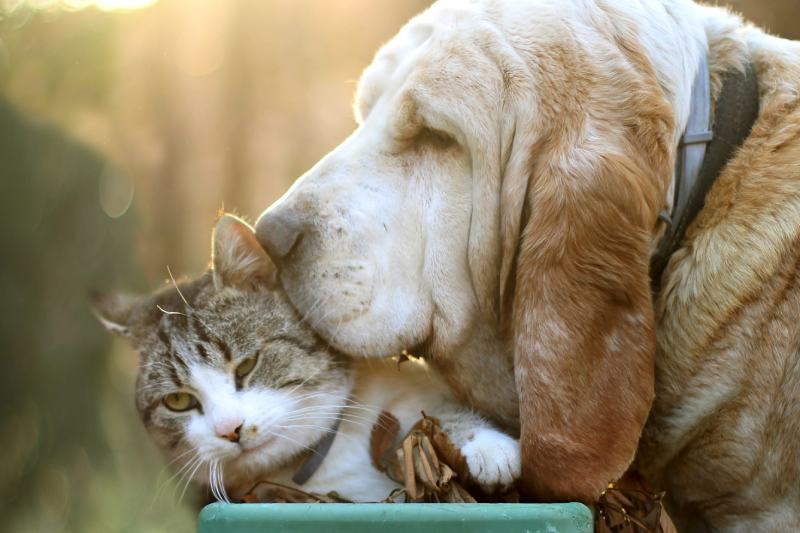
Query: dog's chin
(356,308)
(373,334)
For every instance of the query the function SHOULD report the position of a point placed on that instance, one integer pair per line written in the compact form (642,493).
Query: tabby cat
(235,388)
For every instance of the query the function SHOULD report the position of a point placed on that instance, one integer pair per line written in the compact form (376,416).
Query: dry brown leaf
(382,439)
(448,452)
(429,466)
(423,464)
(406,454)
(270,492)
(666,523)
(631,511)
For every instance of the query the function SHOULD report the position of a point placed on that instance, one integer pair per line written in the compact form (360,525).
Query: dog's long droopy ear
(238,259)
(581,321)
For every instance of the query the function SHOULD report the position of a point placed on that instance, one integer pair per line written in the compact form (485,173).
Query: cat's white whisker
(187,466)
(211,480)
(191,472)
(363,421)
(314,307)
(355,422)
(333,408)
(301,384)
(174,459)
(304,399)
(313,395)
(215,481)
(175,284)
(162,484)
(167,312)
(326,412)
(309,448)
(222,482)
(348,402)
(338,433)
(329,418)
(336,331)
(221,495)
(325,316)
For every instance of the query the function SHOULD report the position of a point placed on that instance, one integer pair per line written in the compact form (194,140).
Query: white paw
(493,459)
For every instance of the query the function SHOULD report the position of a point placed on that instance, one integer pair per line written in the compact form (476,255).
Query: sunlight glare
(77,5)
(110,5)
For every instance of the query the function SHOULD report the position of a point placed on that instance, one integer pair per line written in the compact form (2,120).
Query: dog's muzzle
(279,229)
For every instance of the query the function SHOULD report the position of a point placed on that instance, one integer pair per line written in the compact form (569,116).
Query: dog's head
(508,167)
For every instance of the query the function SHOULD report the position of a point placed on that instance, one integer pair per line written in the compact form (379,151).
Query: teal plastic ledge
(395,518)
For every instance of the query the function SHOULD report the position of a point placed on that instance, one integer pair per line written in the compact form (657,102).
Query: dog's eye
(434,136)
(422,138)
(294,383)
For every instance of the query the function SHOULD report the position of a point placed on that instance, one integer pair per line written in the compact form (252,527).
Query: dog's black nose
(278,230)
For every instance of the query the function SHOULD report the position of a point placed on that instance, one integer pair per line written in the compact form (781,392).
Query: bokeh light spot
(116,191)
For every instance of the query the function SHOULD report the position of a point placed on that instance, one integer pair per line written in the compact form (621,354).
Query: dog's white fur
(398,223)
(417,225)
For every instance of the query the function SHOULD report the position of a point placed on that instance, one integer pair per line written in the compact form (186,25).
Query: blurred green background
(124,126)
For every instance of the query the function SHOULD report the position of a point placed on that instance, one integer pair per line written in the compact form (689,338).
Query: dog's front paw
(493,459)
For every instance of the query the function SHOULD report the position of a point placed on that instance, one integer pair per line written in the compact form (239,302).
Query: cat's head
(230,379)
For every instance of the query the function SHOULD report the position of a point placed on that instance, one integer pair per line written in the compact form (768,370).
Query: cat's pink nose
(229,429)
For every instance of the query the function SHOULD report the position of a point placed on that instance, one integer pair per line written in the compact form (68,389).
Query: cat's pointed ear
(115,311)
(237,257)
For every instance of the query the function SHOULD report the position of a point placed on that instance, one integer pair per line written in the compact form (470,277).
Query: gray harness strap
(318,454)
(692,149)
(703,153)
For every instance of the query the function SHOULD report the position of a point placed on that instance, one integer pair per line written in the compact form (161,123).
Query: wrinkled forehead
(431,65)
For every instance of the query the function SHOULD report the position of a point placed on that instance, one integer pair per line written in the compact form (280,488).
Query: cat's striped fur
(240,427)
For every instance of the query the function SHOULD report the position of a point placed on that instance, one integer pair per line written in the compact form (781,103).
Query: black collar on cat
(703,153)
(318,454)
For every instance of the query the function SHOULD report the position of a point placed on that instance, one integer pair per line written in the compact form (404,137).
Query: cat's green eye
(246,366)
(180,401)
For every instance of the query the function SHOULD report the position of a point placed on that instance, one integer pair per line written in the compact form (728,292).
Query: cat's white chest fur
(348,469)
(405,391)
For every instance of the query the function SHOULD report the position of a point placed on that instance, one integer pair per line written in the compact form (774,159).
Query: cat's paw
(493,459)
